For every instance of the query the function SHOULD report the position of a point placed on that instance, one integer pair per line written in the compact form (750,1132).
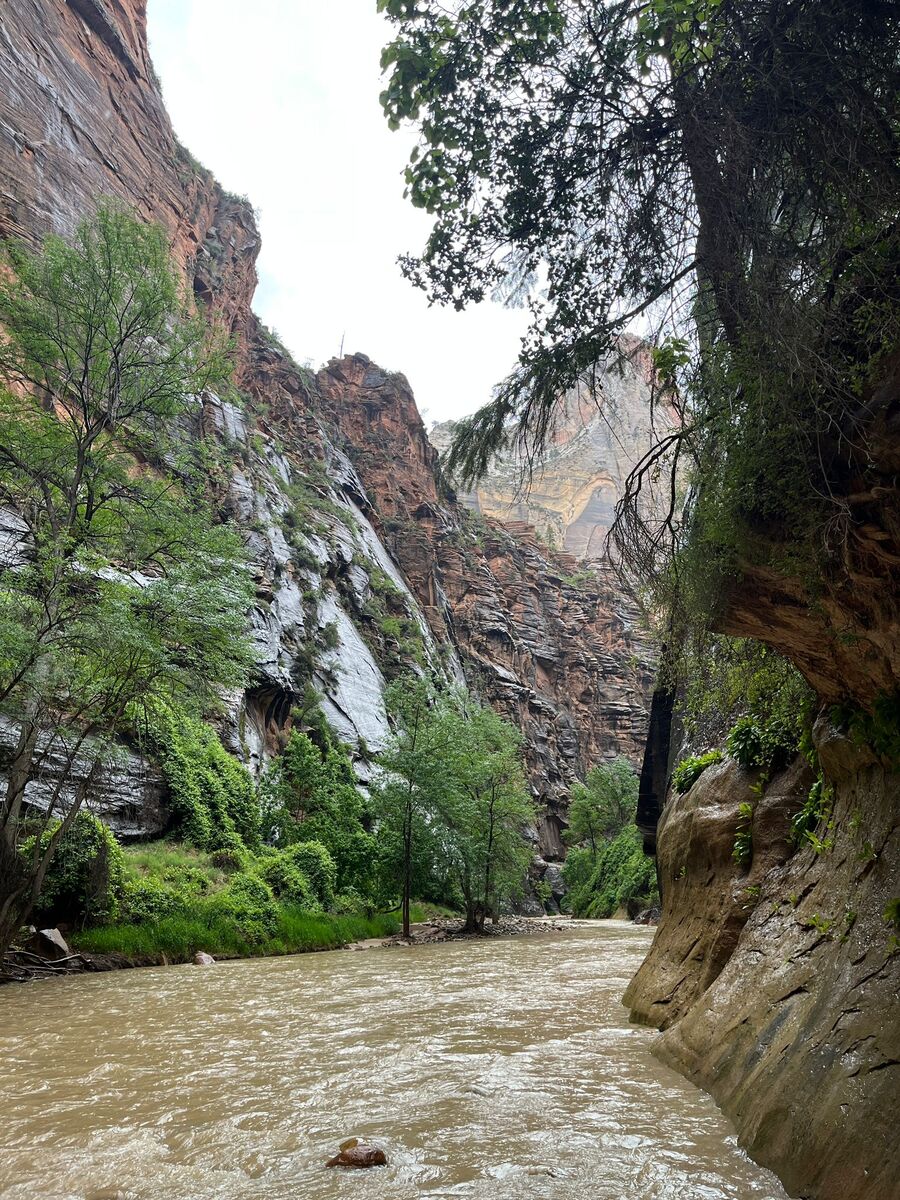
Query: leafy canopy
(724,170)
(602,806)
(118,588)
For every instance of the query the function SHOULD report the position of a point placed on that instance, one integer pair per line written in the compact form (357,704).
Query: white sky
(280,99)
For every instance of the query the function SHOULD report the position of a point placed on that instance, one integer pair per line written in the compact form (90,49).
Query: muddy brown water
(502,1068)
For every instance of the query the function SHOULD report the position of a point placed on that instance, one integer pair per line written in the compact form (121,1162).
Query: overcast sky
(280,99)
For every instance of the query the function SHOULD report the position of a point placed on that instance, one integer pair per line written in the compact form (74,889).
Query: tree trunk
(14,894)
(407,868)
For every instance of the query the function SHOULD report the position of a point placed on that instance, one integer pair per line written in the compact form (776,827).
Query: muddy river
(500,1068)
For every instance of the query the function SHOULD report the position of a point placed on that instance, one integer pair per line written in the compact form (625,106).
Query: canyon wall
(365,564)
(777,983)
(600,430)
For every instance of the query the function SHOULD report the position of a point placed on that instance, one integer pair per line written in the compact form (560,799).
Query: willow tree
(117,588)
(722,172)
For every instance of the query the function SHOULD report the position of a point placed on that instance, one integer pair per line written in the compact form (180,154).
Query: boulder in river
(354,1153)
(202,959)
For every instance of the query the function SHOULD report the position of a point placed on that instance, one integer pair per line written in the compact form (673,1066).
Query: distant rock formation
(599,433)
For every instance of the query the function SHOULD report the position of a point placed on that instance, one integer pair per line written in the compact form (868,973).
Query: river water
(499,1068)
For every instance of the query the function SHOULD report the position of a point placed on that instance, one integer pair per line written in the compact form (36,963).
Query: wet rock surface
(779,988)
(353,1153)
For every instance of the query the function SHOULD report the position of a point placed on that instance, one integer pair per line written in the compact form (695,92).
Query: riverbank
(178,940)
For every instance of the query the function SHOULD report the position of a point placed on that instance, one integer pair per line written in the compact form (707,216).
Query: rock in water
(353,1153)
(202,959)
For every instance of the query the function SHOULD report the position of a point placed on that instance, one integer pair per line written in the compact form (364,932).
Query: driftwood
(18,966)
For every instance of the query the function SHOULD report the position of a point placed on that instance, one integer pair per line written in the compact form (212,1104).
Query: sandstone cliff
(598,435)
(364,565)
(778,983)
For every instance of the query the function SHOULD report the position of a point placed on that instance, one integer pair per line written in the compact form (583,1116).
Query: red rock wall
(552,648)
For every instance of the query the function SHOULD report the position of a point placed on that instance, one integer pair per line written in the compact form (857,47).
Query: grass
(178,938)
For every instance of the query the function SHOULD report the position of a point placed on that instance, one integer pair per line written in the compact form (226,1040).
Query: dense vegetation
(606,869)
(726,172)
(300,861)
(119,590)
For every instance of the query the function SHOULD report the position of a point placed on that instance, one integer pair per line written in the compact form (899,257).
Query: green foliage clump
(620,876)
(816,809)
(313,860)
(289,883)
(689,770)
(762,746)
(248,904)
(85,877)
(148,900)
(309,794)
(212,795)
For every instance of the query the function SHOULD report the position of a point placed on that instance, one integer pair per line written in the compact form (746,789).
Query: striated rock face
(552,649)
(81,116)
(593,445)
(778,986)
(332,479)
(129,795)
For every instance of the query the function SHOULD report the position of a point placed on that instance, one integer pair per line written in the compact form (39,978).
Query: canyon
(365,562)
(777,984)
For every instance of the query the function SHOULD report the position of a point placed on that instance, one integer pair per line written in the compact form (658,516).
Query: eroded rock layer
(601,429)
(778,983)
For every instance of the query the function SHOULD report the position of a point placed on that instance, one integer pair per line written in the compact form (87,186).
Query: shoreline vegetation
(176,942)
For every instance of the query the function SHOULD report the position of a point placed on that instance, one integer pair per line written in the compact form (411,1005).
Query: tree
(118,589)
(485,808)
(604,804)
(724,170)
(406,799)
(453,805)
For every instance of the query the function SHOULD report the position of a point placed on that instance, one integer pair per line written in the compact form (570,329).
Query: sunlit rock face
(601,430)
(331,478)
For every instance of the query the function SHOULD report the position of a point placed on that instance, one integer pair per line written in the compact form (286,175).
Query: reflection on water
(485,1069)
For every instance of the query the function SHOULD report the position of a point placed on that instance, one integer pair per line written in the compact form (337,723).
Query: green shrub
(85,878)
(247,904)
(690,769)
(313,860)
(351,904)
(146,899)
(766,746)
(289,883)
